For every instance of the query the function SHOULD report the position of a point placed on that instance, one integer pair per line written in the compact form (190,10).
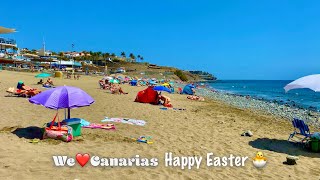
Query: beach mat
(176,109)
(125,121)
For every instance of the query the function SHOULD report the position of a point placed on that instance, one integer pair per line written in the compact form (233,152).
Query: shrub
(181,75)
(116,60)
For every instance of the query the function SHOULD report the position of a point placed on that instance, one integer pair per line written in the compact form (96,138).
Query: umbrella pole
(68,113)
(65,114)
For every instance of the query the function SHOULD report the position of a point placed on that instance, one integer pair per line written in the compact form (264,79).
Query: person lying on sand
(195,97)
(166,100)
(40,82)
(116,89)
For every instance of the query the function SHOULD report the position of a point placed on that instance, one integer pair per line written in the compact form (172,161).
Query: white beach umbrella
(311,82)
(107,77)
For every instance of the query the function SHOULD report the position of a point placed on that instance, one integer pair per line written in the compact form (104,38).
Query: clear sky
(243,39)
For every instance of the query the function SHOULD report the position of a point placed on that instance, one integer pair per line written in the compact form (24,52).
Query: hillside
(149,70)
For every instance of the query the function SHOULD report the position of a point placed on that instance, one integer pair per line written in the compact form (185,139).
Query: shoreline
(263,105)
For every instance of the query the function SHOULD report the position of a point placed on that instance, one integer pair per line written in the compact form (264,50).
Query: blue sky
(243,39)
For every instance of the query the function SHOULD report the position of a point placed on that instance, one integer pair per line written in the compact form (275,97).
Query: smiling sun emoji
(259,161)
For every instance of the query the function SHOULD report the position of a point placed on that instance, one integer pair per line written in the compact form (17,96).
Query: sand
(204,127)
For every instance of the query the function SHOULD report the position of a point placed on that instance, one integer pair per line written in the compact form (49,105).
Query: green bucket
(76,129)
(314,145)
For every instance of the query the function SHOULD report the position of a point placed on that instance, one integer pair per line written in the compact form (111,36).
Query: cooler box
(75,124)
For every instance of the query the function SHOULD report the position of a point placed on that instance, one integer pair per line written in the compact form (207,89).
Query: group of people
(114,88)
(75,77)
(49,82)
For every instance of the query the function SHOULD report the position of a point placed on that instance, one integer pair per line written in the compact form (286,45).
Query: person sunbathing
(40,82)
(49,82)
(116,89)
(166,100)
(195,97)
(101,84)
(33,92)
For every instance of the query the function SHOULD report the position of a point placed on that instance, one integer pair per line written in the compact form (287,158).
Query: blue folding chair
(300,128)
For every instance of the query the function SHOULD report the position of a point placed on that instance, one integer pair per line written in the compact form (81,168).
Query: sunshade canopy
(4,30)
(310,82)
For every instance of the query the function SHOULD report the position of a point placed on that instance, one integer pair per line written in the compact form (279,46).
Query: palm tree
(106,57)
(141,58)
(33,51)
(123,54)
(132,57)
(61,54)
(138,57)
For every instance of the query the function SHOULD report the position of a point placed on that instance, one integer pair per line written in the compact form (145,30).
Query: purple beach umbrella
(63,97)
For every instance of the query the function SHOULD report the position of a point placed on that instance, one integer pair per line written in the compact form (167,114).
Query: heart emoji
(82,158)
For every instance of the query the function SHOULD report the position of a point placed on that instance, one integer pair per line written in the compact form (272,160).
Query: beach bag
(59,132)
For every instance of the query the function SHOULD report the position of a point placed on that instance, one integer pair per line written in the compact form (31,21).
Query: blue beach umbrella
(43,75)
(162,88)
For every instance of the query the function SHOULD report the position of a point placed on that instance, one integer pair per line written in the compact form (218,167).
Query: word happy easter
(183,162)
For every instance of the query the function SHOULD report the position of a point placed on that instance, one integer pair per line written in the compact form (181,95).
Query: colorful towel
(101,126)
(125,121)
(84,123)
(143,139)
(177,109)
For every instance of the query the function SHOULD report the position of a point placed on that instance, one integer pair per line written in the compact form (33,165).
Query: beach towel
(101,126)
(47,86)
(177,109)
(143,139)
(84,123)
(125,121)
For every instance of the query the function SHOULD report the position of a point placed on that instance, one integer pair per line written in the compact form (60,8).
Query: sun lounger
(16,92)
(300,128)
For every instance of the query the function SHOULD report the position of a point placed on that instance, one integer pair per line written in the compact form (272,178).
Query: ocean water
(271,90)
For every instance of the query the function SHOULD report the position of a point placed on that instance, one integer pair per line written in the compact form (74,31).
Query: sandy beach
(204,127)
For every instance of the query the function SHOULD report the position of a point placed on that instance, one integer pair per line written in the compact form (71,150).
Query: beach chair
(300,128)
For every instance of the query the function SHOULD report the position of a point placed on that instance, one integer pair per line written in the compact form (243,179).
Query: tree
(106,55)
(141,58)
(61,54)
(33,51)
(181,75)
(123,54)
(132,57)
(138,57)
